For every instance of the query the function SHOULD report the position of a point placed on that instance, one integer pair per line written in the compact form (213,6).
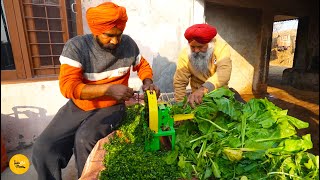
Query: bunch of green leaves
(181,107)
(231,140)
(126,158)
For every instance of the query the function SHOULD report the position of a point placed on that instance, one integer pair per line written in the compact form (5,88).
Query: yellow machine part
(153,110)
(181,117)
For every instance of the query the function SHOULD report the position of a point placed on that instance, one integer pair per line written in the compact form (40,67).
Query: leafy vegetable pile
(125,156)
(231,140)
(225,140)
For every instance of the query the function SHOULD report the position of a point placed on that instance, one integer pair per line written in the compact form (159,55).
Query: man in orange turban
(206,63)
(94,73)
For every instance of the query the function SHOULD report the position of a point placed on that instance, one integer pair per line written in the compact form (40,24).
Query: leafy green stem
(198,138)
(283,173)
(246,149)
(269,139)
(201,149)
(243,130)
(216,125)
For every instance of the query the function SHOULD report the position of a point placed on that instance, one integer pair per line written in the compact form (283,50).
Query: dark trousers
(72,130)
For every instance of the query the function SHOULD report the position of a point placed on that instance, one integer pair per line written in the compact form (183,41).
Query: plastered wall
(156,26)
(240,28)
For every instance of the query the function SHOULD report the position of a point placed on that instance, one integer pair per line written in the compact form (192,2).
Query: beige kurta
(220,71)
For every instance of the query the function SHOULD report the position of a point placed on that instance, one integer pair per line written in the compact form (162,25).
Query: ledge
(30,80)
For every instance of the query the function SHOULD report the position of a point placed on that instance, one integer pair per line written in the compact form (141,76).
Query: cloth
(106,16)
(83,62)
(202,33)
(94,163)
(220,71)
(72,128)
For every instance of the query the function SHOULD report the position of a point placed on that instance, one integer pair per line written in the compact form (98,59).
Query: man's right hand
(120,92)
(196,97)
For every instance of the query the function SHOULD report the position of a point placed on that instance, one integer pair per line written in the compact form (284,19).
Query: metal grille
(71,17)
(47,32)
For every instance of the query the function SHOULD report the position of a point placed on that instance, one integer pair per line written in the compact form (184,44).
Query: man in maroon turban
(202,33)
(94,73)
(205,64)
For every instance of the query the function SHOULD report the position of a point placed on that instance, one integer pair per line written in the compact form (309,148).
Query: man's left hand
(148,85)
(196,97)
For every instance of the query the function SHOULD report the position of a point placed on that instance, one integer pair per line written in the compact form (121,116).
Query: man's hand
(196,97)
(148,85)
(120,92)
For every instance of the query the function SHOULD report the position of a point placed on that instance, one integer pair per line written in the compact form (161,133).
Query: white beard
(201,61)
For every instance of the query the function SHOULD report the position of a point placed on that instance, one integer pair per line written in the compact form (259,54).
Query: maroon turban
(202,33)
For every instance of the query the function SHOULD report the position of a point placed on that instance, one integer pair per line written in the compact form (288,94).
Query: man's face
(196,47)
(110,39)
(200,55)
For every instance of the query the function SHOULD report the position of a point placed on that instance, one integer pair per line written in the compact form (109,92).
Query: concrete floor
(69,173)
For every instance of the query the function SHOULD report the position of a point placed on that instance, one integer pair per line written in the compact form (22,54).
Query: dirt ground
(282,58)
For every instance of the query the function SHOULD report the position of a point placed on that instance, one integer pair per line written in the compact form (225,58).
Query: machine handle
(181,117)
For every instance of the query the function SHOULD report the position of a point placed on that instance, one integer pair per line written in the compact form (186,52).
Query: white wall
(241,29)
(157,26)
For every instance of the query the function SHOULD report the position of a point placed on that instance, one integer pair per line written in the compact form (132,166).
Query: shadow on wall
(23,126)
(163,72)
(163,69)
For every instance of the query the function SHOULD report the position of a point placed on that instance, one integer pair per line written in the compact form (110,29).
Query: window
(7,62)
(47,33)
(45,27)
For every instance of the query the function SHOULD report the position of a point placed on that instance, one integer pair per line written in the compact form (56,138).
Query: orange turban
(202,33)
(106,16)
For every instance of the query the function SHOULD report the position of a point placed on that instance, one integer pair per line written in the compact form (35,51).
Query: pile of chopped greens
(226,140)
(125,155)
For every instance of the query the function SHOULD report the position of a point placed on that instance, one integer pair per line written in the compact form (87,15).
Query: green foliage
(226,140)
(126,158)
(181,107)
(231,140)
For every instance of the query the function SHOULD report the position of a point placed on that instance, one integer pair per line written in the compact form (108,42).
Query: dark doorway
(7,62)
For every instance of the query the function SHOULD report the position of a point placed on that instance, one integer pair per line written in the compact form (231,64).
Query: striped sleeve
(143,68)
(71,73)
(70,81)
